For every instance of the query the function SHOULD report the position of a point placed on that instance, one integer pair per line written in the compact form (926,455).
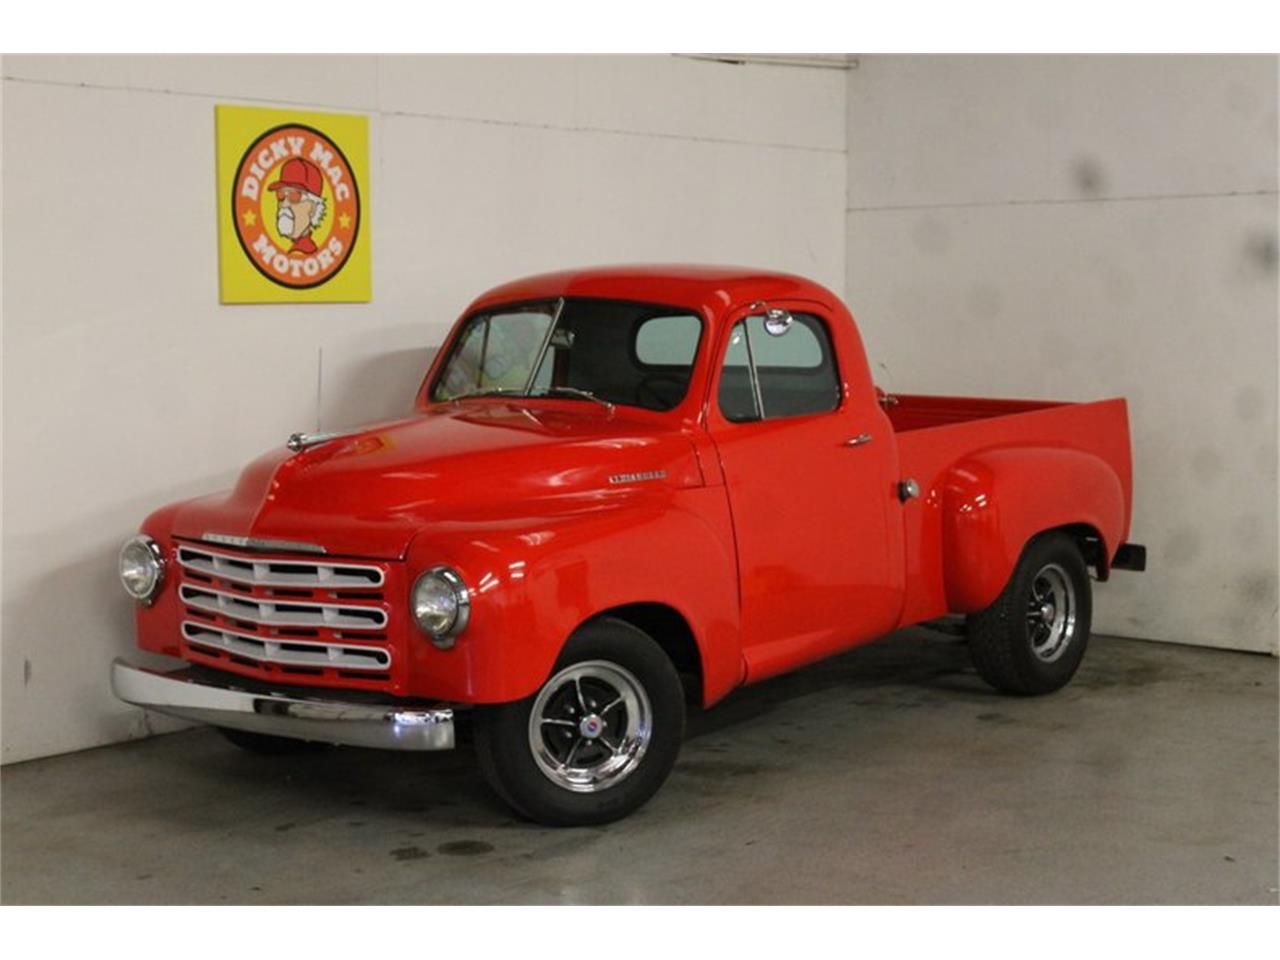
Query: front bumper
(193,697)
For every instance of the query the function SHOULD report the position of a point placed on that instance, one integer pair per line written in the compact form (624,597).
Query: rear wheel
(597,740)
(1032,638)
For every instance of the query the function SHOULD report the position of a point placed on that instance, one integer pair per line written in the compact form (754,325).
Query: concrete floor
(888,775)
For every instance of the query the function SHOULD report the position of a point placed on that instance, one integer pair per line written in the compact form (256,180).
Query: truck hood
(368,493)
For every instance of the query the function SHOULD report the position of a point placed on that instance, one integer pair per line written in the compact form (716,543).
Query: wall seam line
(1061,201)
(448,118)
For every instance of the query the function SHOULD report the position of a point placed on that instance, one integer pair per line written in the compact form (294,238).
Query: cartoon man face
(300,203)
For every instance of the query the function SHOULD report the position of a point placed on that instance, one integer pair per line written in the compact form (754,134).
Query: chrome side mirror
(777,321)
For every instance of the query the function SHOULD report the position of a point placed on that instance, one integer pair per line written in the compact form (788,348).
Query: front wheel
(597,740)
(1033,637)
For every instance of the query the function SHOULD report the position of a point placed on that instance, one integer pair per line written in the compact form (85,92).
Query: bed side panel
(931,455)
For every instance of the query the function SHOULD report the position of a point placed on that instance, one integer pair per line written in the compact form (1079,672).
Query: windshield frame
(555,307)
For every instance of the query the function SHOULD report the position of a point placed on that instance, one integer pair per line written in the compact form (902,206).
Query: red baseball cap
(301,175)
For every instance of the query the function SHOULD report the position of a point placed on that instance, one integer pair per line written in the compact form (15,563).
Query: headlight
(141,568)
(441,605)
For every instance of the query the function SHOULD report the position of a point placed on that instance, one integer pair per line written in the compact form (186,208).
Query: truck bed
(909,412)
(936,434)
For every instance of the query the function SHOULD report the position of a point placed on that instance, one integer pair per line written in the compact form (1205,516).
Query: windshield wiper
(544,392)
(576,392)
(489,392)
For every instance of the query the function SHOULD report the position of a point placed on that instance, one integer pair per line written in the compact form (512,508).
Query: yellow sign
(293,206)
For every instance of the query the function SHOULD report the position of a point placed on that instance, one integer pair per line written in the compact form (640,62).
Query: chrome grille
(282,612)
(280,573)
(288,617)
(285,650)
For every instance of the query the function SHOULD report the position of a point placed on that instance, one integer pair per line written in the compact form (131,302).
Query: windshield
(631,354)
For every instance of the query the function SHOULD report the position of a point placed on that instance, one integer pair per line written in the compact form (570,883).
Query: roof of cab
(685,285)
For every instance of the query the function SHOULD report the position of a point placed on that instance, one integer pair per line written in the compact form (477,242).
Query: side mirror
(777,321)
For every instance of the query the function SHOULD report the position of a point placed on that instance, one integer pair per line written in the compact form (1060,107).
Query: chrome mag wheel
(1051,612)
(590,726)
(1032,637)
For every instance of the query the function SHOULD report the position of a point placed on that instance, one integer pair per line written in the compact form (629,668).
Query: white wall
(1060,227)
(1087,227)
(126,385)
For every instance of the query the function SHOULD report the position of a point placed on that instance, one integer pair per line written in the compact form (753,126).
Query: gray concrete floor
(888,775)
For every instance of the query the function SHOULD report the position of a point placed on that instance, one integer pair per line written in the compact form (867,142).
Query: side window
(787,374)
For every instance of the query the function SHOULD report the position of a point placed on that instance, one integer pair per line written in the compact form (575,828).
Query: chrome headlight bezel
(444,636)
(154,558)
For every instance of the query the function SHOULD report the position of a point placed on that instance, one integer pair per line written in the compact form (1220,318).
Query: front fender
(997,500)
(536,578)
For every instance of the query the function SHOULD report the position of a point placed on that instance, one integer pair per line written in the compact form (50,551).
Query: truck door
(810,467)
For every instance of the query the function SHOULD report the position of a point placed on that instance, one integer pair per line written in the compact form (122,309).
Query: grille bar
(280,573)
(283,613)
(287,652)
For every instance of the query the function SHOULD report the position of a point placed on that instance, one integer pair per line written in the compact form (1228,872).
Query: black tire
(504,738)
(268,746)
(1018,652)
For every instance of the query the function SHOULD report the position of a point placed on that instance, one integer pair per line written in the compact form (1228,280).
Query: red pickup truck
(622,491)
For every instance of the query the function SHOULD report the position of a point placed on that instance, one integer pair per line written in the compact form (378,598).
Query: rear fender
(994,502)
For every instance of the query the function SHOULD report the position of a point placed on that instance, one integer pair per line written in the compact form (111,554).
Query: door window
(788,374)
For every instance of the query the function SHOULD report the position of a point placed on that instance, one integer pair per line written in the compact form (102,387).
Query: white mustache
(284,222)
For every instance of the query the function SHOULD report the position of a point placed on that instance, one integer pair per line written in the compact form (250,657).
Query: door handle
(859,440)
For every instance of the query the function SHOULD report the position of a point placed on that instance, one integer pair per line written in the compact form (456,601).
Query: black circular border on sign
(355,186)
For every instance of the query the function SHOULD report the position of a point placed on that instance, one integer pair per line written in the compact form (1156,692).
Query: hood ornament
(298,442)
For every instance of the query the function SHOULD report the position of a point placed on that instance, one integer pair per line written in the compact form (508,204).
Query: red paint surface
(776,542)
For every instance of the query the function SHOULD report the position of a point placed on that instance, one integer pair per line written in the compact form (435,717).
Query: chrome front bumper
(384,726)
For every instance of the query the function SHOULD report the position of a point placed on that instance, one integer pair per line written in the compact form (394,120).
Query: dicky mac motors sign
(293,195)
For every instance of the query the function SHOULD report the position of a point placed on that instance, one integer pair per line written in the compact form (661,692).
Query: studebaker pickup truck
(621,492)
